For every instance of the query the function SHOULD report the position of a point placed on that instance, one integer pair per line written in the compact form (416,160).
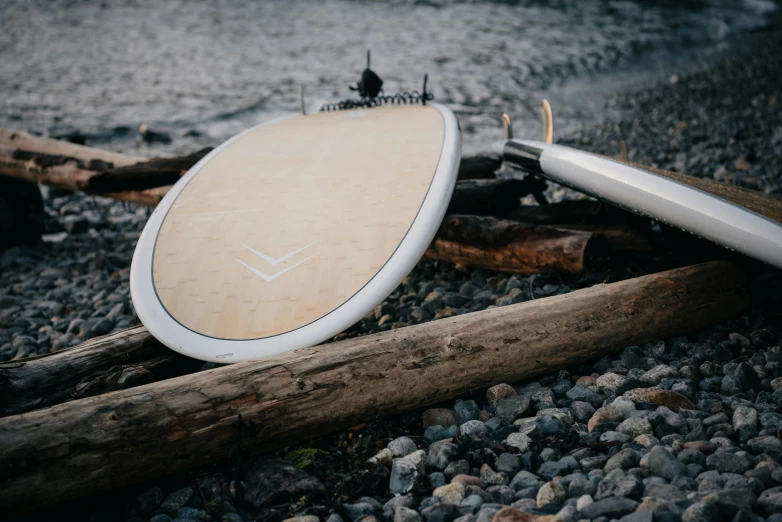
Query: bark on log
(492,197)
(479,167)
(510,246)
(622,238)
(573,212)
(157,172)
(100,365)
(65,165)
(121,438)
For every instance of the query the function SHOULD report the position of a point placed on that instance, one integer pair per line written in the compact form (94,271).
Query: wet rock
(625,459)
(358,510)
(525,479)
(439,417)
(745,422)
(594,463)
(730,385)
(668,492)
(440,512)
(404,474)
(725,462)
(459,467)
(465,411)
(550,426)
(604,415)
(656,374)
(451,494)
(474,429)
(771,446)
(470,504)
(639,516)
(582,411)
(701,512)
(762,338)
(437,479)
(770,501)
(401,447)
(584,394)
(748,377)
(619,484)
(668,398)
(440,454)
(609,508)
(509,464)
(491,477)
(731,501)
(511,408)
(435,433)
(551,493)
(405,514)
(692,456)
(549,454)
(511,514)
(519,440)
(275,479)
(634,427)
(390,507)
(561,467)
(610,381)
(176,500)
(581,486)
(661,463)
(149,501)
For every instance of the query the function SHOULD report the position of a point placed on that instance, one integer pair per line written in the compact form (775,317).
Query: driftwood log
(65,165)
(572,212)
(479,167)
(621,238)
(492,197)
(117,361)
(157,172)
(510,246)
(121,438)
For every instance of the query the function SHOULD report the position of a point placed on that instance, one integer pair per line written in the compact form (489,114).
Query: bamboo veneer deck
(291,220)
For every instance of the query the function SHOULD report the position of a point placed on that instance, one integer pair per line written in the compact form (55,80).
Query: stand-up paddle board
(294,230)
(743,220)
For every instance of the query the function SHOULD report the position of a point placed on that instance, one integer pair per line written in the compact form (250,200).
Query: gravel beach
(684,429)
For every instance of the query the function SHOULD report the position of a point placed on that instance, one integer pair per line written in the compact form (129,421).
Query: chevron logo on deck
(276,261)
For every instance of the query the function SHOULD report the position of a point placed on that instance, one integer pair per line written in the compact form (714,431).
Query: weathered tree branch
(492,197)
(157,172)
(510,246)
(65,165)
(121,438)
(108,363)
(479,167)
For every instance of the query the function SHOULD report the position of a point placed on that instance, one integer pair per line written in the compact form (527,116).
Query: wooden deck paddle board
(743,220)
(294,230)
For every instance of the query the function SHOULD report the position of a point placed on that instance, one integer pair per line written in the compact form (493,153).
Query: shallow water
(218,67)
